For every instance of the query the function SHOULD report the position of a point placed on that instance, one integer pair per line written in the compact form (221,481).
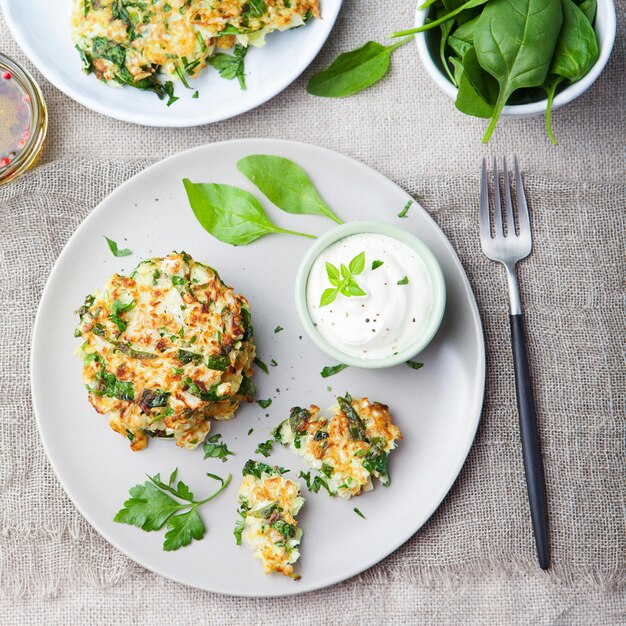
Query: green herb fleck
(265,448)
(239,526)
(414,365)
(406,208)
(404,281)
(278,329)
(331,370)
(359,513)
(214,449)
(264,403)
(261,365)
(258,468)
(115,250)
(377,264)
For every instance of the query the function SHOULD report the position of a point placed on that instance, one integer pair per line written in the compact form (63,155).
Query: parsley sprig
(342,280)
(231,66)
(151,506)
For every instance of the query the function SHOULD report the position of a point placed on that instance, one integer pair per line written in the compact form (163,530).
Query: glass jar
(23,120)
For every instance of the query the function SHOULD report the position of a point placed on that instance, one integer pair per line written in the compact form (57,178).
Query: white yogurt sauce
(390,316)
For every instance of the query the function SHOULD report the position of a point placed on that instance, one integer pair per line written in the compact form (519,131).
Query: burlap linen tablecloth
(474,562)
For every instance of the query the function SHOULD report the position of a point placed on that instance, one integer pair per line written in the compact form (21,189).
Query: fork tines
(497,227)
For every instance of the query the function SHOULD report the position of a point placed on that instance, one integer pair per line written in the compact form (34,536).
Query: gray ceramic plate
(437,407)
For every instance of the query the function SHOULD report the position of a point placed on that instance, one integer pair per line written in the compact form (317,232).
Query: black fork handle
(531,450)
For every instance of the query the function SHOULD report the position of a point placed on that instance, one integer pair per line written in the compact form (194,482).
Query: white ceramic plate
(42,30)
(437,407)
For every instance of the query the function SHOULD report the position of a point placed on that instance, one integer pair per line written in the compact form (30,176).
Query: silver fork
(508,249)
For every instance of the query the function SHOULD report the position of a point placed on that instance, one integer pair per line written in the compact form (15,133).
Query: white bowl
(604,25)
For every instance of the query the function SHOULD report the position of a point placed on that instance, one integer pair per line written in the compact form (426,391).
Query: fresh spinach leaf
(230,214)
(353,71)
(576,52)
(515,41)
(286,184)
(446,28)
(478,90)
(470,4)
(588,7)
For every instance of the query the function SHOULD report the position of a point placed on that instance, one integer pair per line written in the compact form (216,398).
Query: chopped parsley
(315,484)
(264,403)
(118,308)
(414,365)
(406,208)
(115,250)
(359,513)
(257,469)
(231,66)
(331,370)
(261,365)
(265,448)
(214,449)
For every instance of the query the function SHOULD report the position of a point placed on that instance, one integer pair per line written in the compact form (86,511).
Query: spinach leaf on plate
(286,184)
(230,214)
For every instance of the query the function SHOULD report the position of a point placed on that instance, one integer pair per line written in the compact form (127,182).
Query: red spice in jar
(15,119)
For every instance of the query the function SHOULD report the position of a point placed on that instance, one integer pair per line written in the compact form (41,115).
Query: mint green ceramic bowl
(433,268)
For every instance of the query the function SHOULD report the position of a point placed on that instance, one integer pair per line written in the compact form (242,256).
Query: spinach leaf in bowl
(515,41)
(576,52)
